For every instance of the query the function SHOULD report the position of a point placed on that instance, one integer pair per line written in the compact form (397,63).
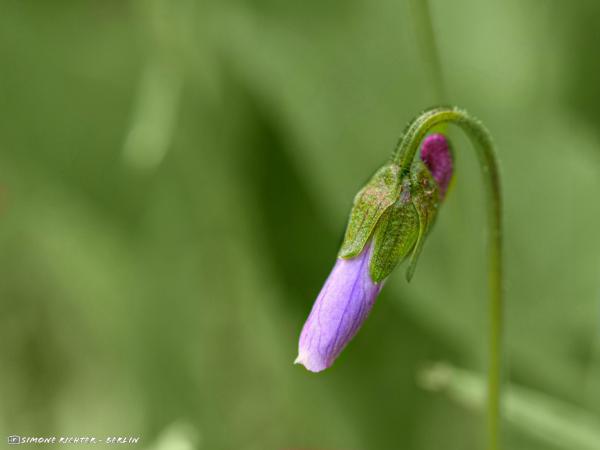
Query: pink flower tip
(436,154)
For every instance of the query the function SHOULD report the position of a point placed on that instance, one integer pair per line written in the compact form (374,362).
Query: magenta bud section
(435,153)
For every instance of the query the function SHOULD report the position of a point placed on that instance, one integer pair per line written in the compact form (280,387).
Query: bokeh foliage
(175,177)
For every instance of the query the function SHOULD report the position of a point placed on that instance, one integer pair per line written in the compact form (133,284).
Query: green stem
(480,137)
(426,39)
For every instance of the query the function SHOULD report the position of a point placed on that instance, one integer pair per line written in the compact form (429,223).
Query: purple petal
(339,311)
(435,153)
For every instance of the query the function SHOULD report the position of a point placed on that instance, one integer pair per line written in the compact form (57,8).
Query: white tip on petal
(312,365)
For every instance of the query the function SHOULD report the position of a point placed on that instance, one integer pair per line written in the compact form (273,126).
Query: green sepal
(394,236)
(425,198)
(369,205)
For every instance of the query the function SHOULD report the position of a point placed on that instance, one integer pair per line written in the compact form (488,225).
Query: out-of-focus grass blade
(154,117)
(547,418)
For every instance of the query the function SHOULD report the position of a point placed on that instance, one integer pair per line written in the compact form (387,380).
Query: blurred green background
(175,178)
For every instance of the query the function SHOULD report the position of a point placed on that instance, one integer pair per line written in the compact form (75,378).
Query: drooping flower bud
(389,221)
(340,309)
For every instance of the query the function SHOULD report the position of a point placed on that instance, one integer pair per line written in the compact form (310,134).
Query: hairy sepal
(370,204)
(425,198)
(395,235)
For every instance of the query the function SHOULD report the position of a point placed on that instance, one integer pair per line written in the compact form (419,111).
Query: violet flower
(340,309)
(389,220)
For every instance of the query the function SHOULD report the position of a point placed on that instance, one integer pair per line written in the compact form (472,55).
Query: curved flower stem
(480,137)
